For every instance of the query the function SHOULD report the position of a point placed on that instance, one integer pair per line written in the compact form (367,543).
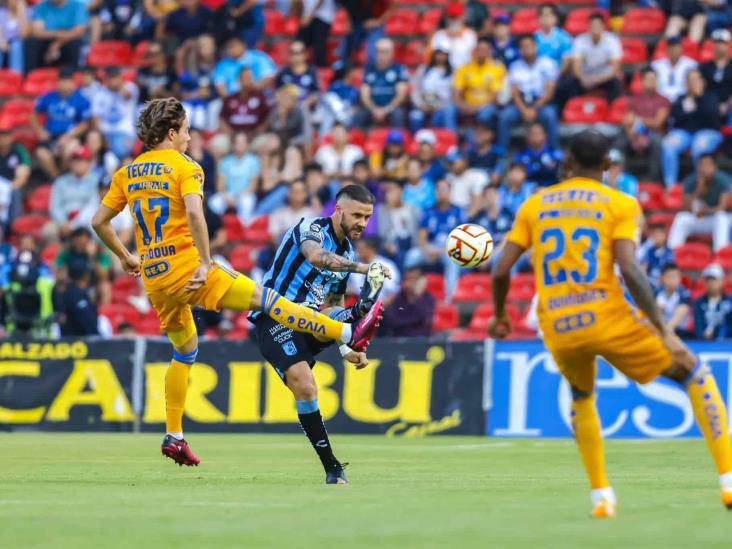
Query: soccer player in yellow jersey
(163,189)
(578,230)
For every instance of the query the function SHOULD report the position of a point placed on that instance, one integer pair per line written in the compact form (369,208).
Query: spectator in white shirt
(337,158)
(671,70)
(533,83)
(114,108)
(431,94)
(456,37)
(596,57)
(466,184)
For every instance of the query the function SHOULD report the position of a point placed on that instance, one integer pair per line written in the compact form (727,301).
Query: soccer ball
(469,245)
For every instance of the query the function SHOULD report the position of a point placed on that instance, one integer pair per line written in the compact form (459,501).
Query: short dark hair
(485,39)
(551,7)
(594,16)
(311,167)
(359,193)
(157,118)
(647,69)
(361,162)
(588,149)
(670,266)
(707,155)
(521,38)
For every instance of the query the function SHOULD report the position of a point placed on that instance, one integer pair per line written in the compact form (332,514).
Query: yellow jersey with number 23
(153,186)
(570,228)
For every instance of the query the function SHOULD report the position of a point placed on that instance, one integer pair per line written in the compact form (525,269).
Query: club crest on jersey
(289,348)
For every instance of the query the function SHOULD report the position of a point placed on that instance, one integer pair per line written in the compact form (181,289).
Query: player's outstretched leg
(588,434)
(711,415)
(299,379)
(176,386)
(245,295)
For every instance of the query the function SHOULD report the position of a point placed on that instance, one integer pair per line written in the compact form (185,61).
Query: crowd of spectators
(464,132)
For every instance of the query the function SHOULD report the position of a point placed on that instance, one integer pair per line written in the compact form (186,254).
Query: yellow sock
(711,415)
(176,387)
(587,433)
(302,319)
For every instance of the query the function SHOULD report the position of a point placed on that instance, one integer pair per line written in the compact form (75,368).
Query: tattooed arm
(323,259)
(637,282)
(334,300)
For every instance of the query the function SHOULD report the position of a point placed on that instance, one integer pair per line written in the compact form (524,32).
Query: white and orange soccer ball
(469,245)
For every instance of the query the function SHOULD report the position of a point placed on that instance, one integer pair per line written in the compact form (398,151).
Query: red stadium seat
(585,110)
(11,83)
(445,317)
(109,53)
(355,137)
(274,23)
(522,288)
(688,47)
(650,195)
(475,287)
(524,21)
(241,328)
(242,258)
(636,84)
(232,227)
(644,21)
(280,52)
(123,287)
(40,199)
(341,25)
(117,313)
(31,224)
(49,253)
(446,139)
(40,81)
(148,326)
(484,312)
(429,21)
(436,285)
(693,256)
(292,24)
(579,18)
(139,54)
(706,52)
(402,23)
(26,137)
(413,53)
(674,197)
(662,218)
(257,232)
(634,50)
(618,109)
(377,139)
(213,5)
(325,77)
(724,257)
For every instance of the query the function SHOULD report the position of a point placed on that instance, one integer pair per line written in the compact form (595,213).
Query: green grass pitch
(84,490)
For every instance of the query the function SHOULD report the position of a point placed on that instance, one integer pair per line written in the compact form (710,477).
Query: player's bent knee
(579,394)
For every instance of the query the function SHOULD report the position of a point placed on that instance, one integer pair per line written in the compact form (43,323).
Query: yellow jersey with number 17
(153,187)
(570,228)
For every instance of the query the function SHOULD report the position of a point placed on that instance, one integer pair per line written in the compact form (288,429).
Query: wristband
(344,349)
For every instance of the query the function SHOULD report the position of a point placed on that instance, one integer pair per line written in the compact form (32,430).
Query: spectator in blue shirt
(419,190)
(504,46)
(484,155)
(551,39)
(432,167)
(674,300)
(516,189)
(189,21)
(713,310)
(301,74)
(654,253)
(226,73)
(437,222)
(340,103)
(67,117)
(617,178)
(542,161)
(236,183)
(384,90)
(57,29)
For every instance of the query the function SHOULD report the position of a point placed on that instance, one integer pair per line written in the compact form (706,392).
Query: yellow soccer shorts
(173,304)
(627,342)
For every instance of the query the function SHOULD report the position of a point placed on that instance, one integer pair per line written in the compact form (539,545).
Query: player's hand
(198,279)
(499,326)
(679,352)
(359,359)
(131,265)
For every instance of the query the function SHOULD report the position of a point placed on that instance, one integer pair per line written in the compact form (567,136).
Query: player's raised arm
(637,282)
(323,259)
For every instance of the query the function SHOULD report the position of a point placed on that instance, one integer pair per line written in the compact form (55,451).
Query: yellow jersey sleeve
(520,233)
(115,198)
(627,225)
(191,177)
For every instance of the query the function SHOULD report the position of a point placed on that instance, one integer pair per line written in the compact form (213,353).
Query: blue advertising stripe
(530,398)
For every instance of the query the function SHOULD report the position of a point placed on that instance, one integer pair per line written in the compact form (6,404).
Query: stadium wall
(413,387)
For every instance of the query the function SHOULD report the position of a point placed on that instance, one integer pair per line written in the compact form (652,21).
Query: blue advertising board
(529,398)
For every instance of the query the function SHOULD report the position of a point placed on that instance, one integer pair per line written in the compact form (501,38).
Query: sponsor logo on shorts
(156,269)
(574,322)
